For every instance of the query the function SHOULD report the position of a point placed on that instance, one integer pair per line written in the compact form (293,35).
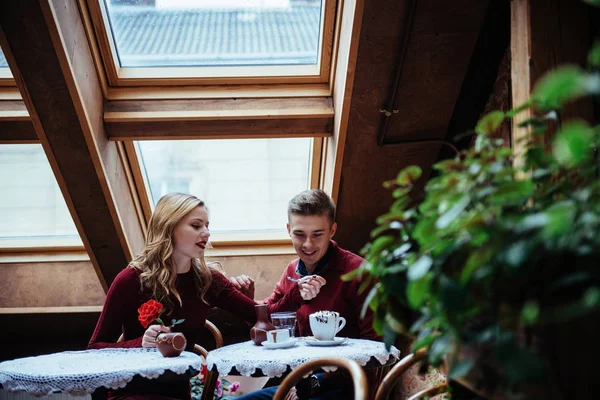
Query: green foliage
(494,248)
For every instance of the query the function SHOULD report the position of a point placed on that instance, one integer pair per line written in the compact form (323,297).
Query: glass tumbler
(284,320)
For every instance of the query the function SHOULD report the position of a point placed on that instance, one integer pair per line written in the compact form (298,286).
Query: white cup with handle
(326,324)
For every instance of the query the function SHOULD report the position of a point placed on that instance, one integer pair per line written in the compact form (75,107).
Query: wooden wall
(428,44)
(75,283)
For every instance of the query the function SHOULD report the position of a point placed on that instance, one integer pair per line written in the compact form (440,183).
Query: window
(31,205)
(4,70)
(211,39)
(246,183)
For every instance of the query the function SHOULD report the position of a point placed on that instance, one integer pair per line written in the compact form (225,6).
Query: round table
(82,372)
(248,359)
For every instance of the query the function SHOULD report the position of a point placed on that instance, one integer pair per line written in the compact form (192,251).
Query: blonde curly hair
(158,271)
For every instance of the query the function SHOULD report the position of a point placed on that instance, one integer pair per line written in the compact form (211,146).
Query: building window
(246,183)
(171,42)
(31,205)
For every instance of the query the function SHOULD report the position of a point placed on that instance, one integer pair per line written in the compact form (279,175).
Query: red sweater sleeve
(225,296)
(120,299)
(284,286)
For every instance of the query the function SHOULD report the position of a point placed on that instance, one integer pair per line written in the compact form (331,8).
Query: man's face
(310,235)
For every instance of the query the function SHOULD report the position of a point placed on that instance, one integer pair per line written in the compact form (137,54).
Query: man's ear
(288,228)
(333,229)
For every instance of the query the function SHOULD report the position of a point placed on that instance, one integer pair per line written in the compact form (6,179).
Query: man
(311,226)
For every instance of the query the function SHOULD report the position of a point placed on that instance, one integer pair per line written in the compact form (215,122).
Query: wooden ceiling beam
(219,118)
(45,42)
(15,123)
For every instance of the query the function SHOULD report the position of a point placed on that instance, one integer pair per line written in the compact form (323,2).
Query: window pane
(156,33)
(246,184)
(4,70)
(31,204)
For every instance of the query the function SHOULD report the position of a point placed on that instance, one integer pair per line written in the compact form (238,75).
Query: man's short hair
(312,202)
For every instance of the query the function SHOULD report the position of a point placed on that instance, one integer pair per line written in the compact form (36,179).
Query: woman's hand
(244,284)
(310,286)
(149,338)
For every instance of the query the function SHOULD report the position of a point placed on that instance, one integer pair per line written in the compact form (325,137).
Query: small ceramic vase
(258,333)
(170,344)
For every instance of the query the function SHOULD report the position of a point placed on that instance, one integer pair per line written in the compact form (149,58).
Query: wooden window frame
(117,76)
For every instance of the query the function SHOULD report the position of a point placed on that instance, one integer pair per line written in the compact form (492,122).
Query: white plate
(311,341)
(282,345)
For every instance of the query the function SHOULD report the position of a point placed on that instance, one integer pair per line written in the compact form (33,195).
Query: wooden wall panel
(265,270)
(53,284)
(439,47)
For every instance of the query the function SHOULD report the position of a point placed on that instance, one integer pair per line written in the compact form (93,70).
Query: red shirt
(336,295)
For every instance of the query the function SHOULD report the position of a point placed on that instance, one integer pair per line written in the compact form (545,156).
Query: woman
(171,270)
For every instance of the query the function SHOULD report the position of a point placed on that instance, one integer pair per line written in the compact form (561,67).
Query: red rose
(149,312)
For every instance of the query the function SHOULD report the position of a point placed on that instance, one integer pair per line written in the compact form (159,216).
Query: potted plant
(494,252)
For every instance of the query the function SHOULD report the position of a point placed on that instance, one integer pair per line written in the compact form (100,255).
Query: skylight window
(177,41)
(246,183)
(215,32)
(31,205)
(4,70)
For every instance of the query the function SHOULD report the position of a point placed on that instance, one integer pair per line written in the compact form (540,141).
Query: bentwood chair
(392,378)
(210,380)
(359,378)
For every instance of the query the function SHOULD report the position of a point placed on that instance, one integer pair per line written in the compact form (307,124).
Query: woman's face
(190,235)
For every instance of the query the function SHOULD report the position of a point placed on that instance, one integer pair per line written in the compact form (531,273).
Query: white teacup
(278,336)
(326,324)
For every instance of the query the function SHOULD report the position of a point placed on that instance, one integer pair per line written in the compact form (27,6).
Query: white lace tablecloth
(81,372)
(247,357)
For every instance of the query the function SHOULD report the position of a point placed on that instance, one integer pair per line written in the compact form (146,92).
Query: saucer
(282,345)
(311,341)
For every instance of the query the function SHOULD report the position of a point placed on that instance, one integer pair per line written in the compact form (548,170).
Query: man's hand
(149,338)
(292,395)
(244,284)
(310,286)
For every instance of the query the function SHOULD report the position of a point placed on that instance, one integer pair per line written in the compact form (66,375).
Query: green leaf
(417,291)
(355,273)
(409,175)
(559,86)
(381,243)
(460,369)
(477,258)
(490,122)
(389,335)
(160,321)
(512,192)
(591,298)
(560,219)
(595,3)
(401,192)
(450,215)
(594,54)
(394,324)
(517,253)
(530,313)
(420,268)
(439,348)
(368,299)
(573,144)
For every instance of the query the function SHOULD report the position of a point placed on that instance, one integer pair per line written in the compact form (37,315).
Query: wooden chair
(391,379)
(356,372)
(210,380)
